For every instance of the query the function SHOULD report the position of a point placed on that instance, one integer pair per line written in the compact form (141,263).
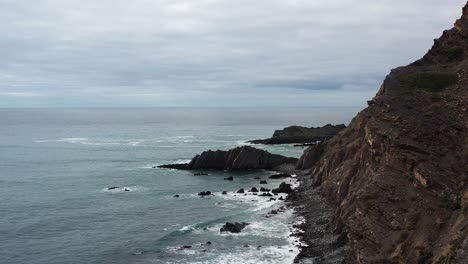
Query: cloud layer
(209,52)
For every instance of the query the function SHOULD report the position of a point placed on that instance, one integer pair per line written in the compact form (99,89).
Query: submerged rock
(241,190)
(263,182)
(204,193)
(233,227)
(230,178)
(113,188)
(200,174)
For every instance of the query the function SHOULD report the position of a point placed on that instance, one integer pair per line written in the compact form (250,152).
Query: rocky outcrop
(298,134)
(396,173)
(240,158)
(233,227)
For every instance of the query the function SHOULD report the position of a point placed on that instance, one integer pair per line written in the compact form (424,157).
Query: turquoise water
(56,165)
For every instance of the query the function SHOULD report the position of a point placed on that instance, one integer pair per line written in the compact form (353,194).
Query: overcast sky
(82,53)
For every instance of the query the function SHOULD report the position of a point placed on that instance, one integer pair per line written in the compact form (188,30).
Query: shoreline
(320,240)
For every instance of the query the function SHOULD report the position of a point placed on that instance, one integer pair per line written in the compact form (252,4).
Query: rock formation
(397,173)
(298,134)
(233,227)
(240,158)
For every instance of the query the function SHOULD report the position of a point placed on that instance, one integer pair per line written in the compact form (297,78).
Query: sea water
(56,166)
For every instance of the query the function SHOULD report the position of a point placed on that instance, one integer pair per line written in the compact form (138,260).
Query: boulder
(283,188)
(266,194)
(263,182)
(176,196)
(264,189)
(241,190)
(230,178)
(204,193)
(233,227)
(253,190)
(224,192)
(113,188)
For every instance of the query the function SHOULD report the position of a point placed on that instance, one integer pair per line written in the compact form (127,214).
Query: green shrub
(454,53)
(430,82)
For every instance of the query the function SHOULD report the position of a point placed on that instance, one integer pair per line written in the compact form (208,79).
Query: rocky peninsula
(299,134)
(240,158)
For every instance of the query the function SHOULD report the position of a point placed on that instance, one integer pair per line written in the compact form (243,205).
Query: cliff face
(398,172)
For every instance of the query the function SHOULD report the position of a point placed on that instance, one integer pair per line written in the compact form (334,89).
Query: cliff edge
(398,172)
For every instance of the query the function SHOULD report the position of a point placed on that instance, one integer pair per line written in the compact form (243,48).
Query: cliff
(298,134)
(240,158)
(398,172)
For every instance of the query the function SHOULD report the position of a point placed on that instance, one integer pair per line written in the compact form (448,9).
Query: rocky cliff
(398,172)
(240,158)
(298,134)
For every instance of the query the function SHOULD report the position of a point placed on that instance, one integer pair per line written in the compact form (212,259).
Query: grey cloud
(167,52)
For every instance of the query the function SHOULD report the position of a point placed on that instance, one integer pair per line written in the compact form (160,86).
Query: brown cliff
(397,173)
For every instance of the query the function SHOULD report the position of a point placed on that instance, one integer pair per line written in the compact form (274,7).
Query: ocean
(56,166)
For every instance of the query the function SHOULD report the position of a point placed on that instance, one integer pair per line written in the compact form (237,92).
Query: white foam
(253,255)
(124,189)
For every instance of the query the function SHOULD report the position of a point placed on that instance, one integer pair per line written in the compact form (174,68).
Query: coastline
(319,239)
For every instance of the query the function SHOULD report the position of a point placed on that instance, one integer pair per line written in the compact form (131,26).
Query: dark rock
(241,190)
(257,178)
(204,193)
(126,190)
(208,243)
(264,189)
(298,134)
(283,188)
(200,174)
(185,247)
(281,198)
(230,178)
(224,192)
(113,188)
(253,190)
(273,212)
(266,194)
(272,199)
(263,182)
(280,176)
(176,196)
(233,227)
(240,158)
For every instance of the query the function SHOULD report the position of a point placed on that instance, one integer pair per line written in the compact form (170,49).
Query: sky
(212,53)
